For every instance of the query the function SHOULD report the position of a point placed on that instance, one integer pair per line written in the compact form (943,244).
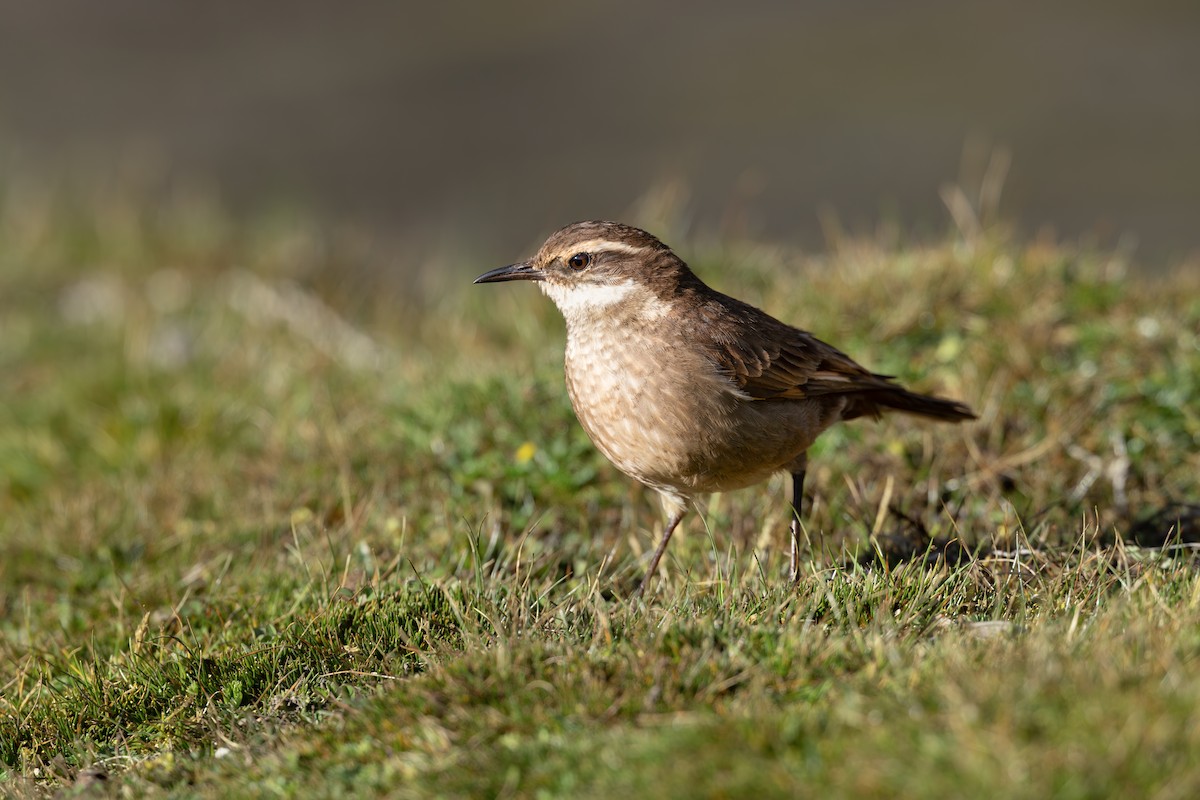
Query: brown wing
(768,359)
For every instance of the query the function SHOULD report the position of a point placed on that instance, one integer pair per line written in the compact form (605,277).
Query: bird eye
(580,260)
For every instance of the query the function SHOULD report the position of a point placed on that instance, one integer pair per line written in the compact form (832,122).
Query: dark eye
(580,260)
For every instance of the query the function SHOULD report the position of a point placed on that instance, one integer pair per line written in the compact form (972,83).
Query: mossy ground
(272,526)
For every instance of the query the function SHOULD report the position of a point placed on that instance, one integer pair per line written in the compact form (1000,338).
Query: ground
(271,526)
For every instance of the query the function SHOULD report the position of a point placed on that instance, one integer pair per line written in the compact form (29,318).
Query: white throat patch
(586,299)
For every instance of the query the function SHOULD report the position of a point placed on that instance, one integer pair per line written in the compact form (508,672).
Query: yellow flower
(525,453)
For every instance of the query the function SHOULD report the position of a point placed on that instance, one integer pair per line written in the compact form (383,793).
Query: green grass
(270,526)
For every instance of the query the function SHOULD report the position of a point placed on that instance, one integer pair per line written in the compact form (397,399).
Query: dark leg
(797,501)
(672,523)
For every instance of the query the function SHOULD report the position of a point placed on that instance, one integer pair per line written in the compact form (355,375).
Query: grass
(270,526)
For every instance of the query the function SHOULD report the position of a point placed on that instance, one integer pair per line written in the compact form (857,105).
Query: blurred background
(482,126)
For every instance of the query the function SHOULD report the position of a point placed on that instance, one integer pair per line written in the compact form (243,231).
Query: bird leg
(672,523)
(797,501)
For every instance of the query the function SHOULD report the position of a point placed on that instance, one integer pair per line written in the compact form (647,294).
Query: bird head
(591,268)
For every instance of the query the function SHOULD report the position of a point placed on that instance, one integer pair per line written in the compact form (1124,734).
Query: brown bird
(688,390)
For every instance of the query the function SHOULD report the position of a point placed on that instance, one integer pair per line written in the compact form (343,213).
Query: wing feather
(768,359)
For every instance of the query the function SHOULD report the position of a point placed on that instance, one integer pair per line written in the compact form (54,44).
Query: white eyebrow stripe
(605,246)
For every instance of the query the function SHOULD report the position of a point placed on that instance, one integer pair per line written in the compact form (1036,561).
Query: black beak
(513,272)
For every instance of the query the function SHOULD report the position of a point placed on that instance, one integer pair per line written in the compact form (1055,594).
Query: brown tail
(923,405)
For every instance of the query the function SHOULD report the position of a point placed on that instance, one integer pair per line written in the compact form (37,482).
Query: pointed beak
(523,271)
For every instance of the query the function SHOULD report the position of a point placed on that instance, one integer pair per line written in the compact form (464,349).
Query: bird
(690,391)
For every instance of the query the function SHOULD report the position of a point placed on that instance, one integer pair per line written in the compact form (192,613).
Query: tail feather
(923,405)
